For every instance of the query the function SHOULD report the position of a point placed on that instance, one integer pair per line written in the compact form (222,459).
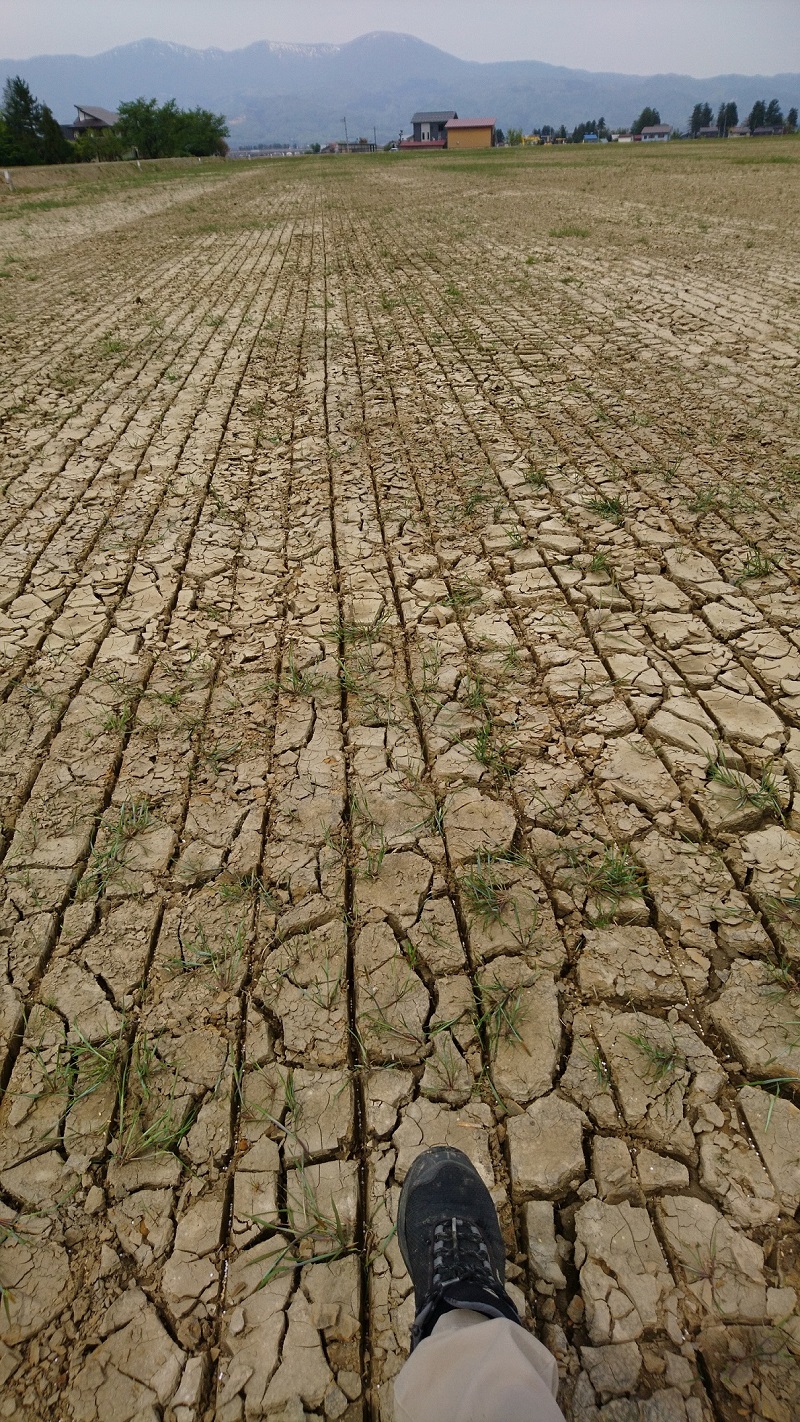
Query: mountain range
(300,93)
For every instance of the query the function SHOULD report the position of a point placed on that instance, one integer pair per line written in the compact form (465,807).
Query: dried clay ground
(400,721)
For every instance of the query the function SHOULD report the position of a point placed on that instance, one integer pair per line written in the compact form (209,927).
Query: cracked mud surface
(400,731)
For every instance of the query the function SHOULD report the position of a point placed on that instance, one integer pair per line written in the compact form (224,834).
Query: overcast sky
(699,37)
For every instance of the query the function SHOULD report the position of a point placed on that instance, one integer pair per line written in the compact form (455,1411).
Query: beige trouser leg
(478,1369)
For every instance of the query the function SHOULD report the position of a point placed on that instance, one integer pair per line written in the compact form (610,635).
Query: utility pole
(375,136)
(346,139)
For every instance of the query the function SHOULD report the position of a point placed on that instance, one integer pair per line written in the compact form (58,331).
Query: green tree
(31,133)
(54,147)
(757,116)
(165,131)
(514,137)
(200,133)
(145,127)
(727,118)
(102,145)
(774,114)
(791,120)
(702,117)
(21,115)
(593,126)
(646,119)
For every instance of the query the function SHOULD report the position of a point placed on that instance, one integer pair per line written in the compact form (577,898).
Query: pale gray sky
(699,37)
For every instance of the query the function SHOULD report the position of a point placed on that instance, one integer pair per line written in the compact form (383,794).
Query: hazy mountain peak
(278,92)
(306,51)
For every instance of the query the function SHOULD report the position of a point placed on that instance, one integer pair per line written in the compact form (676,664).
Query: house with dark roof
(90,119)
(429,127)
(656,133)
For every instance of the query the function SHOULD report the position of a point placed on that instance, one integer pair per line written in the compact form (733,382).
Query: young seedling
(348,633)
(474,694)
(756,565)
(788,907)
(296,681)
(474,499)
(82,1069)
(663,1058)
(309,1235)
(596,1061)
(158,1136)
(764,795)
(704,502)
(611,508)
(512,660)
(600,563)
(325,989)
(118,722)
(376,853)
(447,1063)
(500,1015)
(612,878)
(484,744)
(217,755)
(484,896)
(461,595)
(136,1135)
(222,958)
(252,885)
(108,851)
(785,975)
(706,1268)
(378,1020)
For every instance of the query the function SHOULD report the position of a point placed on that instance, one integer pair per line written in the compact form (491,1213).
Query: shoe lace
(460,1253)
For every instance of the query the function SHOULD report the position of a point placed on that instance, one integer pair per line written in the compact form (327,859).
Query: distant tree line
(762,115)
(29,133)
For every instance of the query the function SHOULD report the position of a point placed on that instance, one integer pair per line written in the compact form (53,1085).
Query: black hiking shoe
(450,1241)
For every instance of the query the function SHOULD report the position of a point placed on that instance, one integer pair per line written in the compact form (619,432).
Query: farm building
(656,133)
(90,120)
(471,133)
(710,132)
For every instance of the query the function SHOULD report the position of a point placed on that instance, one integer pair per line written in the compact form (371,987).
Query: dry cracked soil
(400,733)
